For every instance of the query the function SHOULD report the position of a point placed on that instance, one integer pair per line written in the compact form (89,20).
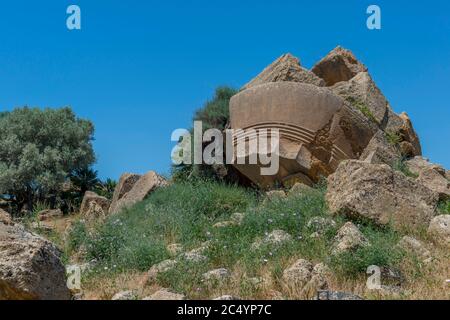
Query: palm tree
(85,179)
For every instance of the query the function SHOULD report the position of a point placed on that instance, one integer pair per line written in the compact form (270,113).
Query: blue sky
(138,69)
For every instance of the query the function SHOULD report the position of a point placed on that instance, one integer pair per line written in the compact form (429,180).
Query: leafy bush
(444,207)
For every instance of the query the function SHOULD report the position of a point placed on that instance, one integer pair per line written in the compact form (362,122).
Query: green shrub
(401,166)
(444,207)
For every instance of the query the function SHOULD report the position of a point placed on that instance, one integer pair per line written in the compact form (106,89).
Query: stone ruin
(332,113)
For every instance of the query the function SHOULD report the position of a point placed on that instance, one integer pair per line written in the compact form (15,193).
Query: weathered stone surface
(275,238)
(339,65)
(349,238)
(415,247)
(317,130)
(217,275)
(175,249)
(30,267)
(125,184)
(238,217)
(430,175)
(381,151)
(49,214)
(227,297)
(194,257)
(224,224)
(337,295)
(376,192)
(401,126)
(285,68)
(165,294)
(141,189)
(5,217)
(362,94)
(275,194)
(439,229)
(94,206)
(299,273)
(418,164)
(300,188)
(319,225)
(304,276)
(161,267)
(124,295)
(436,181)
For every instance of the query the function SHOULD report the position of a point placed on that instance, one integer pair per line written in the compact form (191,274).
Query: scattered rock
(42,227)
(224,224)
(349,238)
(49,214)
(194,257)
(141,189)
(94,206)
(124,295)
(165,294)
(439,229)
(30,267)
(336,295)
(376,192)
(319,225)
(381,151)
(285,68)
(217,275)
(125,184)
(175,249)
(227,297)
(237,217)
(300,188)
(306,277)
(275,195)
(161,267)
(415,247)
(5,217)
(339,65)
(275,238)
(298,274)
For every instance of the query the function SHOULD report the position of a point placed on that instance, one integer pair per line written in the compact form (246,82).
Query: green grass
(185,213)
(401,166)
(444,207)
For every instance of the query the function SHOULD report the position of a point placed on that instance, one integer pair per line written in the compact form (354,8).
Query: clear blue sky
(138,69)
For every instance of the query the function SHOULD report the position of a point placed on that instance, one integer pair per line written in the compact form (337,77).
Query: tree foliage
(39,149)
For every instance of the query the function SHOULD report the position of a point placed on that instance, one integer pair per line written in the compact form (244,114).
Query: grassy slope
(129,243)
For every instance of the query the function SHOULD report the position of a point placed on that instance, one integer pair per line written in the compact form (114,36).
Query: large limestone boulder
(141,189)
(430,175)
(317,130)
(319,127)
(363,94)
(376,192)
(339,65)
(94,206)
(439,229)
(381,151)
(30,267)
(285,68)
(126,183)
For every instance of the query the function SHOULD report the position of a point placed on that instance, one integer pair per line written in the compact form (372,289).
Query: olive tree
(39,149)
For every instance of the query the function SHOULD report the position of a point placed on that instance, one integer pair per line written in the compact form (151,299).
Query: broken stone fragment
(285,68)
(339,65)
